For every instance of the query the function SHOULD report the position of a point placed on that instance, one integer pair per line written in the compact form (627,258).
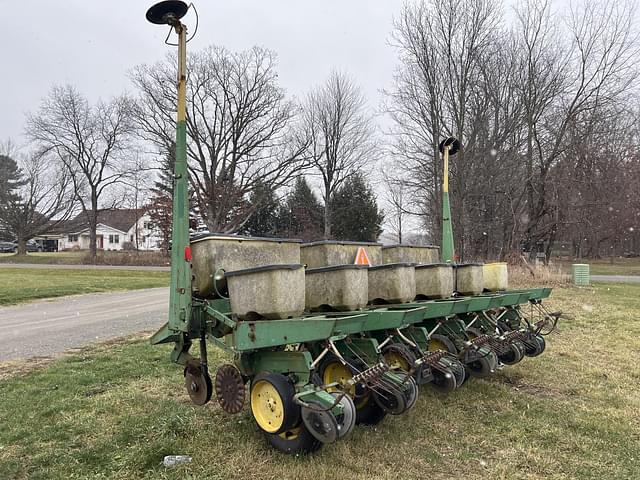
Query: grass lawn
(53,258)
(114,411)
(619,266)
(24,284)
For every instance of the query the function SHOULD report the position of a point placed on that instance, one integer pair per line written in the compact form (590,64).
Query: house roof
(120,219)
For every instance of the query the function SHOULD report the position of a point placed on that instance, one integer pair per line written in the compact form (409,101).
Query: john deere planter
(320,344)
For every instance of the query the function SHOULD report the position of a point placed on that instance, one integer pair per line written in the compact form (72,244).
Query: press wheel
(347,419)
(540,346)
(514,355)
(391,400)
(481,363)
(321,423)
(444,382)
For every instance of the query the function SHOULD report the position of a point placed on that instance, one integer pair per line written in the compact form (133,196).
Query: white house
(117,229)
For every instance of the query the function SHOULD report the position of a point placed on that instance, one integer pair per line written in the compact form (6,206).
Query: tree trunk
(327,214)
(22,246)
(93,225)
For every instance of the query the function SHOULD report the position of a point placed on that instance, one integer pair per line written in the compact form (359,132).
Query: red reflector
(187,253)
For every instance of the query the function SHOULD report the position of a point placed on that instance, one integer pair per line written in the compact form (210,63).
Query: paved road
(48,327)
(84,267)
(616,278)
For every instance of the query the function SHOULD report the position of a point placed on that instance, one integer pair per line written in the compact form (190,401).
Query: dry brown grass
(521,276)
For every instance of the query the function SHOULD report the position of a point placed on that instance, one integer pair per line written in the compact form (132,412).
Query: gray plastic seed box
(337,287)
(469,278)
(334,252)
(213,253)
(392,283)
(421,254)
(434,281)
(269,292)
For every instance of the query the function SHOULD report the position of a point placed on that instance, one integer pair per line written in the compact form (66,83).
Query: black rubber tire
(514,355)
(301,443)
(393,402)
(541,346)
(369,413)
(480,367)
(411,393)
(451,348)
(443,382)
(458,369)
(286,391)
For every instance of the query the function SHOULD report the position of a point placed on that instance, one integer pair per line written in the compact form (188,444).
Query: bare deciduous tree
(240,128)
(90,141)
(518,97)
(42,200)
(395,196)
(341,133)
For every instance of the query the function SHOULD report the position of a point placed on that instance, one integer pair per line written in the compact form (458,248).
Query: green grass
(47,258)
(25,284)
(619,266)
(115,410)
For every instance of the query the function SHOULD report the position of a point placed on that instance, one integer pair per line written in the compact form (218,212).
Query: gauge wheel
(272,403)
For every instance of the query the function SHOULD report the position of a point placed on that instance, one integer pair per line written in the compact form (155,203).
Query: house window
(114,238)
(73,238)
(131,238)
(149,225)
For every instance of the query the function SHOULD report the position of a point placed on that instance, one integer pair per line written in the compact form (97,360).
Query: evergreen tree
(10,179)
(10,182)
(264,220)
(161,206)
(355,211)
(301,215)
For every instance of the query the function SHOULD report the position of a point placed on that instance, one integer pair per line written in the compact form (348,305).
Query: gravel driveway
(48,327)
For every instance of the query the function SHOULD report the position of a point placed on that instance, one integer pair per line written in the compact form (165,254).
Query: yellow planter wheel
(441,342)
(335,372)
(272,403)
(367,412)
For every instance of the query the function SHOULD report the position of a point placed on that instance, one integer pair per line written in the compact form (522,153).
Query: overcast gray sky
(93,44)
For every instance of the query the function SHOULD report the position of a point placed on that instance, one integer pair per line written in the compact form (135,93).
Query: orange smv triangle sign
(361,257)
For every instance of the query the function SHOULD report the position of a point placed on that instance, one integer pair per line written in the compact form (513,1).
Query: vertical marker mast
(169,12)
(450,146)
(180,296)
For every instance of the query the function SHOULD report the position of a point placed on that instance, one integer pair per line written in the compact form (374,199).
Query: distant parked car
(8,247)
(33,246)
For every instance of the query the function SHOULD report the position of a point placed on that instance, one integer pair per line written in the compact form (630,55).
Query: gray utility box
(214,254)
(410,253)
(469,278)
(392,283)
(334,252)
(338,287)
(269,292)
(434,281)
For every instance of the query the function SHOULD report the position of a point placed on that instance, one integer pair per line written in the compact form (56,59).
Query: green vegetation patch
(24,284)
(114,411)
